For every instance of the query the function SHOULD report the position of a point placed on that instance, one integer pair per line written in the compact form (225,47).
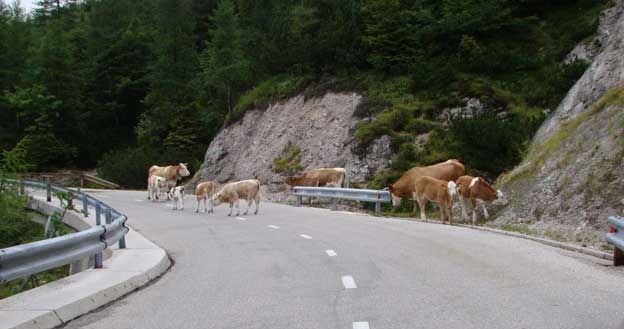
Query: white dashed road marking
(169,205)
(305,236)
(137,200)
(273,227)
(348,282)
(241,218)
(360,325)
(331,253)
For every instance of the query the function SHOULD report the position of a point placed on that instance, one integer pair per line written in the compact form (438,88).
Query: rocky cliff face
(573,176)
(322,128)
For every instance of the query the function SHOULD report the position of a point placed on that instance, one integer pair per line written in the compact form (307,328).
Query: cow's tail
(258,194)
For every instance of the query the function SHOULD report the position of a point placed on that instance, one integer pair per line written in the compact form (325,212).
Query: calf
(439,191)
(177,196)
(156,187)
(205,192)
(477,190)
(232,192)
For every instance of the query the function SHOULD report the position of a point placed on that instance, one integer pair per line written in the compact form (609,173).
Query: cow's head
(501,198)
(182,170)
(292,180)
(396,200)
(219,198)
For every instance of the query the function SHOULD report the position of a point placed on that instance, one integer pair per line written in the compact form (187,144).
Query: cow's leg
(485,213)
(182,201)
(198,202)
(257,200)
(462,201)
(211,202)
(414,203)
(237,207)
(449,213)
(231,206)
(249,201)
(473,203)
(422,203)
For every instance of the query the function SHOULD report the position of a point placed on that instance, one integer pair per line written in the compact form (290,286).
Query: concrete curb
(58,302)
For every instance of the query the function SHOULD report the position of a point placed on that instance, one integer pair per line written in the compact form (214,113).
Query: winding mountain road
(312,268)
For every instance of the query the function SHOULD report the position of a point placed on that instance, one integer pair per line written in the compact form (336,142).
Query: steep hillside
(320,128)
(573,175)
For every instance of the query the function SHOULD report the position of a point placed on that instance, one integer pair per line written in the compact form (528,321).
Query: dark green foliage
(489,142)
(80,79)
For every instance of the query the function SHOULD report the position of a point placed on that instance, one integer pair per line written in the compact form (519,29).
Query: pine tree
(225,67)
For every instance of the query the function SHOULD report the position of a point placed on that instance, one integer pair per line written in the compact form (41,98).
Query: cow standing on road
(478,191)
(171,173)
(204,192)
(439,191)
(232,192)
(177,196)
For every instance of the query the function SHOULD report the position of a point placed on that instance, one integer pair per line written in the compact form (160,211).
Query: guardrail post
(98,221)
(618,257)
(298,201)
(48,192)
(107,215)
(122,241)
(21,186)
(334,204)
(85,205)
(98,213)
(377,207)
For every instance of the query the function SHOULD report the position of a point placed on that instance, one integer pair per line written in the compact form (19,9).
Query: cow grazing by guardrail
(231,193)
(204,192)
(435,190)
(477,191)
(449,170)
(321,177)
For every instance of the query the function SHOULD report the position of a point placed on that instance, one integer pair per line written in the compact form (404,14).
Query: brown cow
(477,190)
(330,177)
(171,173)
(232,192)
(204,191)
(439,191)
(448,170)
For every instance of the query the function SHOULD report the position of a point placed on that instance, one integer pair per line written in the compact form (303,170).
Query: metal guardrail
(50,176)
(378,197)
(38,256)
(616,238)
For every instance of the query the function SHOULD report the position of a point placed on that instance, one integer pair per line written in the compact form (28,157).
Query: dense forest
(121,84)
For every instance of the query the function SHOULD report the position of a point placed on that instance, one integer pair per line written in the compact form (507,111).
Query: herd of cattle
(441,183)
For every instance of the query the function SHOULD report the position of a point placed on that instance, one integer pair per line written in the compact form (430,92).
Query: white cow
(232,192)
(156,187)
(177,196)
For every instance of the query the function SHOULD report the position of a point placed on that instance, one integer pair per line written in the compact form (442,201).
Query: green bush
(129,167)
(489,142)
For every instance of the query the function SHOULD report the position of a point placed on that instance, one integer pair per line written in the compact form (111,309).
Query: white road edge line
(241,218)
(273,227)
(348,282)
(331,253)
(305,236)
(360,325)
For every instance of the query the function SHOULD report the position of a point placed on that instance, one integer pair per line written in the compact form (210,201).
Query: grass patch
(517,229)
(268,91)
(546,149)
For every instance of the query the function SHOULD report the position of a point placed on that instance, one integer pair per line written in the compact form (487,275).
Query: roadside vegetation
(120,85)
(16,225)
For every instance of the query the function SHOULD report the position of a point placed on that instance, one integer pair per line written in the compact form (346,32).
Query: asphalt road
(312,268)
